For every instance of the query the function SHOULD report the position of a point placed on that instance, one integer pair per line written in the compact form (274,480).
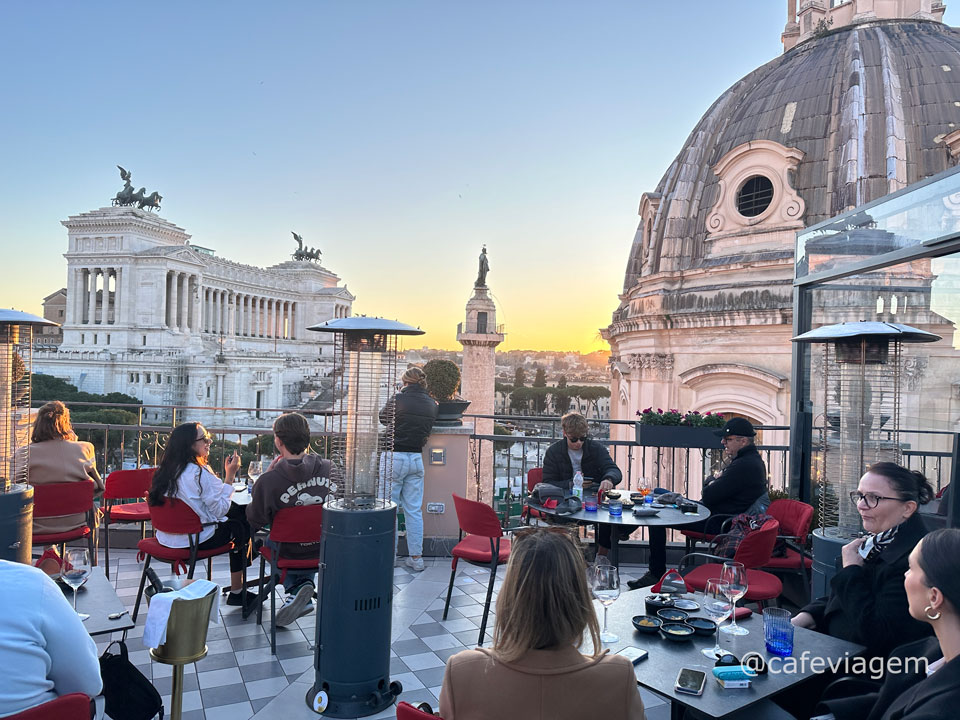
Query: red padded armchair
(67,498)
(795,518)
(74,706)
(754,552)
(484,545)
(125,485)
(534,476)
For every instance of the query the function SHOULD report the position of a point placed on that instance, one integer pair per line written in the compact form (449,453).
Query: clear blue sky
(397,136)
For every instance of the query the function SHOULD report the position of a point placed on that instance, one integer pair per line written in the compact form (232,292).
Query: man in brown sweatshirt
(293,478)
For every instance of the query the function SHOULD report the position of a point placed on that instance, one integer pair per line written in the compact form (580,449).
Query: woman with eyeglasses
(867,603)
(535,668)
(184,474)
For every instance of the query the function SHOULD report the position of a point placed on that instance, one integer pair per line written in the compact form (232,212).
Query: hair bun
(925,491)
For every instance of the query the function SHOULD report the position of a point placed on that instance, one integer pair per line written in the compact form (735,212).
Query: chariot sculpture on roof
(311,254)
(127,196)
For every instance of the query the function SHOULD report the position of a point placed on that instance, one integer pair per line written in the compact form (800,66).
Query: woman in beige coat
(534,669)
(55,457)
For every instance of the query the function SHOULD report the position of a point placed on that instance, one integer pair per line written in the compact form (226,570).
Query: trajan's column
(480,336)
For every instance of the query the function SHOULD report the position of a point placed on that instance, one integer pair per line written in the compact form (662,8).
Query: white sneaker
(296,605)
(415,564)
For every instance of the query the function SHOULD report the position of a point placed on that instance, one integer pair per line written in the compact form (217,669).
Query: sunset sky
(397,136)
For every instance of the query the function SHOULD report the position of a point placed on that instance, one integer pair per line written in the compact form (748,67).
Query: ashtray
(702,626)
(653,603)
(678,632)
(672,615)
(647,623)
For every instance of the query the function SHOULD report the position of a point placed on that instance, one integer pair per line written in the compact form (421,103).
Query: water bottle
(578,484)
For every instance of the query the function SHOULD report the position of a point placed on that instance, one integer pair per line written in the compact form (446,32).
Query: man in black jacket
(741,483)
(412,411)
(578,452)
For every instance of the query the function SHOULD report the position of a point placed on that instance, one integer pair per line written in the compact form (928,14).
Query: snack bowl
(702,626)
(647,623)
(672,615)
(677,632)
(636,497)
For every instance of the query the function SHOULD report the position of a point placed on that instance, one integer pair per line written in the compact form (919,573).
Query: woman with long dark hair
(184,474)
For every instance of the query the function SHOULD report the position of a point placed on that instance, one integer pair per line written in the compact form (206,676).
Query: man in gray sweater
(293,478)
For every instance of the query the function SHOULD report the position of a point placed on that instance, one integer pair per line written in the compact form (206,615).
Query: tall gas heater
(352,655)
(16,497)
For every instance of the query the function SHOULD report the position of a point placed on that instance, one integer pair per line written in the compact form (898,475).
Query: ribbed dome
(867,104)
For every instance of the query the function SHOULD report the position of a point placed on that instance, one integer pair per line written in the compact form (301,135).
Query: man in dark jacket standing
(413,413)
(578,452)
(734,490)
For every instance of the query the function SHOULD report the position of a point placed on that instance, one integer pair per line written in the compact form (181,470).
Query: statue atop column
(301,253)
(484,269)
(139,198)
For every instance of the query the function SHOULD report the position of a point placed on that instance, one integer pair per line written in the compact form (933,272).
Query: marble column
(92,298)
(117,304)
(174,323)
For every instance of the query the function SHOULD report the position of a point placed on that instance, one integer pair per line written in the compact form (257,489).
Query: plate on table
(657,505)
(242,497)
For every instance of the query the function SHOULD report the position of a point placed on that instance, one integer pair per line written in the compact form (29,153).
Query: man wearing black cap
(734,490)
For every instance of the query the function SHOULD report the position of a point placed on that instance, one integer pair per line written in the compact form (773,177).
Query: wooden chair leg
(143,580)
(453,572)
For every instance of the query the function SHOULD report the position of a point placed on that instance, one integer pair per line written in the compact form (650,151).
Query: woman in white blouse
(183,473)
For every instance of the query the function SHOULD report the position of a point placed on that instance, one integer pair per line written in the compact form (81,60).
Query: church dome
(856,113)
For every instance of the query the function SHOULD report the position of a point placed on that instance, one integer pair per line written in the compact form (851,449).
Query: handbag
(126,690)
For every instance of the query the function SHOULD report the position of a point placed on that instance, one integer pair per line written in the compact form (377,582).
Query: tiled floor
(240,679)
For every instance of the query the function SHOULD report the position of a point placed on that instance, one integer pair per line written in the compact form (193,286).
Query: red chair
(75,706)
(795,518)
(714,525)
(175,516)
(67,498)
(290,525)
(534,476)
(754,552)
(484,545)
(125,485)
(406,711)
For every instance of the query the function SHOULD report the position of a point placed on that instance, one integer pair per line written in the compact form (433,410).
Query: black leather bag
(542,492)
(126,690)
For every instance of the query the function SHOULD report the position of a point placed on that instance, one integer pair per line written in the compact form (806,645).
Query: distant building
(54,308)
(150,315)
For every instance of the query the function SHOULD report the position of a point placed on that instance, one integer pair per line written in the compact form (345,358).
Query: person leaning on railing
(924,682)
(534,669)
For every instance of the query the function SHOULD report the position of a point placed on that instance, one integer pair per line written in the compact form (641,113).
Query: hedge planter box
(677,436)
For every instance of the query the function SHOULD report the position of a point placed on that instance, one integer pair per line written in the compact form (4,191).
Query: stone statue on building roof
(484,269)
(301,254)
(139,198)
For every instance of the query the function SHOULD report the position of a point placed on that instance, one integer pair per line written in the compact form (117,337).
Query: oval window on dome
(754,196)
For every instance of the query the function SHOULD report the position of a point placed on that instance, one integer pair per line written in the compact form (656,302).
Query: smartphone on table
(690,682)
(633,654)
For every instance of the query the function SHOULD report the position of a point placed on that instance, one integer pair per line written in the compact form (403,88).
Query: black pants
(237,529)
(603,534)
(658,544)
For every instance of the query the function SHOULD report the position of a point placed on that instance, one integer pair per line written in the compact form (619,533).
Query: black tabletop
(666,517)
(98,599)
(659,671)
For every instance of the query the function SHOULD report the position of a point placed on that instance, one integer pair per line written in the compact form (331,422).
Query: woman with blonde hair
(535,668)
(56,456)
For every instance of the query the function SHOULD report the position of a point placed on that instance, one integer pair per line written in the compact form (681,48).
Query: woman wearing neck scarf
(867,603)
(928,687)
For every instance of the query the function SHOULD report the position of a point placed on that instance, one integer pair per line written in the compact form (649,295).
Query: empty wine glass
(718,606)
(606,589)
(76,568)
(734,579)
(254,470)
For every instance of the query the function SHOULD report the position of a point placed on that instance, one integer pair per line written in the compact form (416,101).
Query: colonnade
(248,315)
(96,296)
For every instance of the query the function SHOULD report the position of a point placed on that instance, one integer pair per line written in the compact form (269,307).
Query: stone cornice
(120,220)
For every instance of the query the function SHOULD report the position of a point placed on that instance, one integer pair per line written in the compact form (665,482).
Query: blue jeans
(408,495)
(294,578)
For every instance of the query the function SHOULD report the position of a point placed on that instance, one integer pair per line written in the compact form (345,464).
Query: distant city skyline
(398,138)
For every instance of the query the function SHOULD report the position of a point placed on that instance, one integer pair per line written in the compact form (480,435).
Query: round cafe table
(665,517)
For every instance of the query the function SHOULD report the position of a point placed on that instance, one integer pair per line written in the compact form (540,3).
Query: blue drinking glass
(778,631)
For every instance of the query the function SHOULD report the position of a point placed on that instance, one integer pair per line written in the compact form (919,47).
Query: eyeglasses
(206,439)
(871,500)
(576,439)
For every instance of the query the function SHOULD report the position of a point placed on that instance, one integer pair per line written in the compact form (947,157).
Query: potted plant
(671,428)
(443,382)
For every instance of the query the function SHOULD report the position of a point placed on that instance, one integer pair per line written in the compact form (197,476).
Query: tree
(561,400)
(520,400)
(499,429)
(520,377)
(562,381)
(592,395)
(541,378)
(538,396)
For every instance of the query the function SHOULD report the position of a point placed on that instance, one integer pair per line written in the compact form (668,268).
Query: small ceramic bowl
(677,632)
(685,604)
(702,626)
(647,623)
(657,602)
(672,615)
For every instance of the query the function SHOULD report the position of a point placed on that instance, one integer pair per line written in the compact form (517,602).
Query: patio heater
(16,497)
(352,655)
(861,423)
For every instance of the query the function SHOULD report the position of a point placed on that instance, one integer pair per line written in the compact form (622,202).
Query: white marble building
(150,315)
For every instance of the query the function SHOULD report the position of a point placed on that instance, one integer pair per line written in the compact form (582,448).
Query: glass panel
(922,215)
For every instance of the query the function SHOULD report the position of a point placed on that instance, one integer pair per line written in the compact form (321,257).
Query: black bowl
(677,632)
(671,615)
(652,603)
(702,626)
(647,623)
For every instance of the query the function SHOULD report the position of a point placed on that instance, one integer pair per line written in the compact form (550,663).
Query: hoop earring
(926,611)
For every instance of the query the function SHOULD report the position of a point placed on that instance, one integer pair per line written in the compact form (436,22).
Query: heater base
(321,704)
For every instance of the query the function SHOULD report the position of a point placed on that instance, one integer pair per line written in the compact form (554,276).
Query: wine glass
(254,470)
(76,568)
(644,488)
(606,589)
(718,606)
(734,578)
